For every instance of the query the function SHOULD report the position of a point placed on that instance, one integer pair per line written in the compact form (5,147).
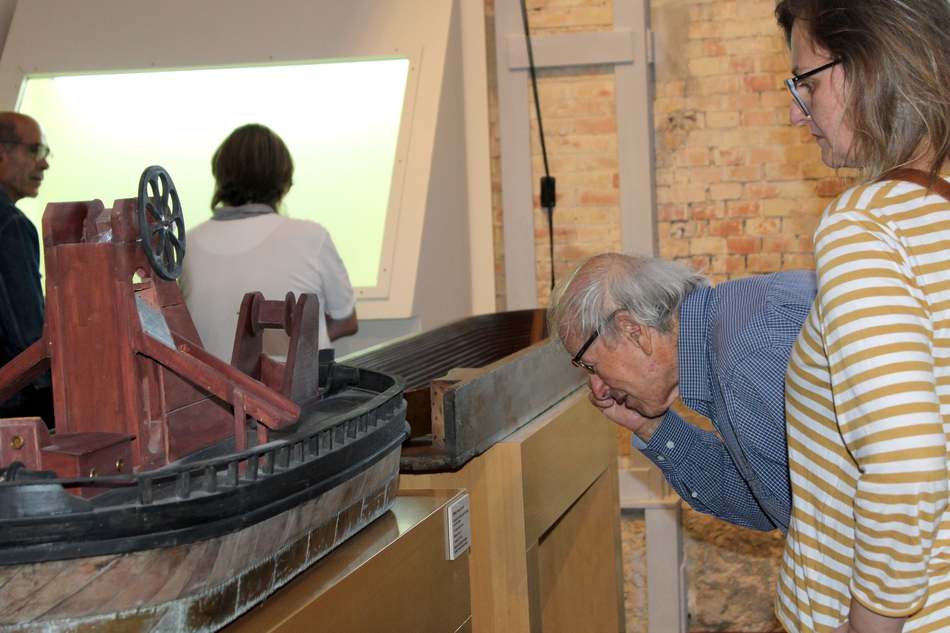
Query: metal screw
(119,464)
(16,442)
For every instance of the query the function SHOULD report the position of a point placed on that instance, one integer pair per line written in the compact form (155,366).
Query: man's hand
(627,418)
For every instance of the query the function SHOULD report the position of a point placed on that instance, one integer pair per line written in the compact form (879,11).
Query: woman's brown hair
(251,165)
(896,58)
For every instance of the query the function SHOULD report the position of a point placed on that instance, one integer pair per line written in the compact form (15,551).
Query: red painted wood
(112,379)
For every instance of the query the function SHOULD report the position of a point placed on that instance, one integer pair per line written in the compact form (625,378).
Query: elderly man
(23,154)
(655,338)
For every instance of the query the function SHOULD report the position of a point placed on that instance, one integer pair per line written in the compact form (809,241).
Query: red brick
(798,262)
(831,187)
(599,197)
(783,171)
(764,263)
(744,173)
(707,246)
(722,119)
(779,245)
(763,226)
(735,264)
(743,208)
(693,157)
(730,156)
(714,47)
(779,206)
(741,102)
(741,65)
(678,230)
(600,125)
(758,191)
(758,118)
(800,225)
(669,212)
(673,248)
(763,155)
(701,263)
(761,82)
(725,191)
(744,245)
(707,210)
(725,228)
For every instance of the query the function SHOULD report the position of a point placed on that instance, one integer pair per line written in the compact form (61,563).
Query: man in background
(661,346)
(23,160)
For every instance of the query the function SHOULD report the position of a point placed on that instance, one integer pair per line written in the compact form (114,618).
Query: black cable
(548,193)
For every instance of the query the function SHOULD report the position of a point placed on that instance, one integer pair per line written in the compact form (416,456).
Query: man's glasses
(39,151)
(792,84)
(576,360)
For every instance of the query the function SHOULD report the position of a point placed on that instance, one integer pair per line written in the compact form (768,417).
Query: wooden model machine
(165,457)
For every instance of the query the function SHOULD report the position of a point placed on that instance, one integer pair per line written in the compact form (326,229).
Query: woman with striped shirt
(868,383)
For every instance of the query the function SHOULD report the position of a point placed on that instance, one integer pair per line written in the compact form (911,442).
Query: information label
(458,528)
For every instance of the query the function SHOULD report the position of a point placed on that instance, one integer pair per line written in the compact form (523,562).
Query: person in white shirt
(249,246)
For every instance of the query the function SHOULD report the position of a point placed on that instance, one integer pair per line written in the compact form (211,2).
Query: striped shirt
(868,411)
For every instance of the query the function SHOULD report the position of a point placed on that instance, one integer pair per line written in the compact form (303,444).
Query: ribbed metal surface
(472,342)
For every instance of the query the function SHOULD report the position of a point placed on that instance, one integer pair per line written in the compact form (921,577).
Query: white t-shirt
(269,253)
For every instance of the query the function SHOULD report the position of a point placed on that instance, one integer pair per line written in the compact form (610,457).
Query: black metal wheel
(161,223)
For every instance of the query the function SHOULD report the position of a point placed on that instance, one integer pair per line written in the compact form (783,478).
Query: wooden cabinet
(545,518)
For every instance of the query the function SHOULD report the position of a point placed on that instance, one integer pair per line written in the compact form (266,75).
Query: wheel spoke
(153,210)
(168,253)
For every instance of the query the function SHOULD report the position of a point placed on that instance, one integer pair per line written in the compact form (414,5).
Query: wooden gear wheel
(161,223)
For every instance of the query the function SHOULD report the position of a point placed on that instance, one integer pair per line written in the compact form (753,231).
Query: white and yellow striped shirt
(868,412)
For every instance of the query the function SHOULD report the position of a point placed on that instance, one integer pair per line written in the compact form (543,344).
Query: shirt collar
(696,316)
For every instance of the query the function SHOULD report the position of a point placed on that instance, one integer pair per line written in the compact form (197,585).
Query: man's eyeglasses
(792,84)
(39,151)
(576,360)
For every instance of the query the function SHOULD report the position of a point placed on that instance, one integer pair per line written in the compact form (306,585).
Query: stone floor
(732,573)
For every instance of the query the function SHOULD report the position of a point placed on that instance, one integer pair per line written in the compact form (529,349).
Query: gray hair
(648,288)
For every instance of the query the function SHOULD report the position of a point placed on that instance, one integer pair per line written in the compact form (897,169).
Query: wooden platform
(545,525)
(393,576)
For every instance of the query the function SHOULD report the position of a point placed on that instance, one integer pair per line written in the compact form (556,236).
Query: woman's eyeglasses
(792,84)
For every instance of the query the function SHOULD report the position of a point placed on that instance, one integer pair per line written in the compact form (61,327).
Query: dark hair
(896,59)
(251,165)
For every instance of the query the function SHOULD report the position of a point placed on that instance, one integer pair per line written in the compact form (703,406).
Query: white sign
(458,528)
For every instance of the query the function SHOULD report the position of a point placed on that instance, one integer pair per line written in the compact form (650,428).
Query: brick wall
(739,190)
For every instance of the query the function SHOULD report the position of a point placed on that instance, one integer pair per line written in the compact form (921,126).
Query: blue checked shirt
(734,343)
